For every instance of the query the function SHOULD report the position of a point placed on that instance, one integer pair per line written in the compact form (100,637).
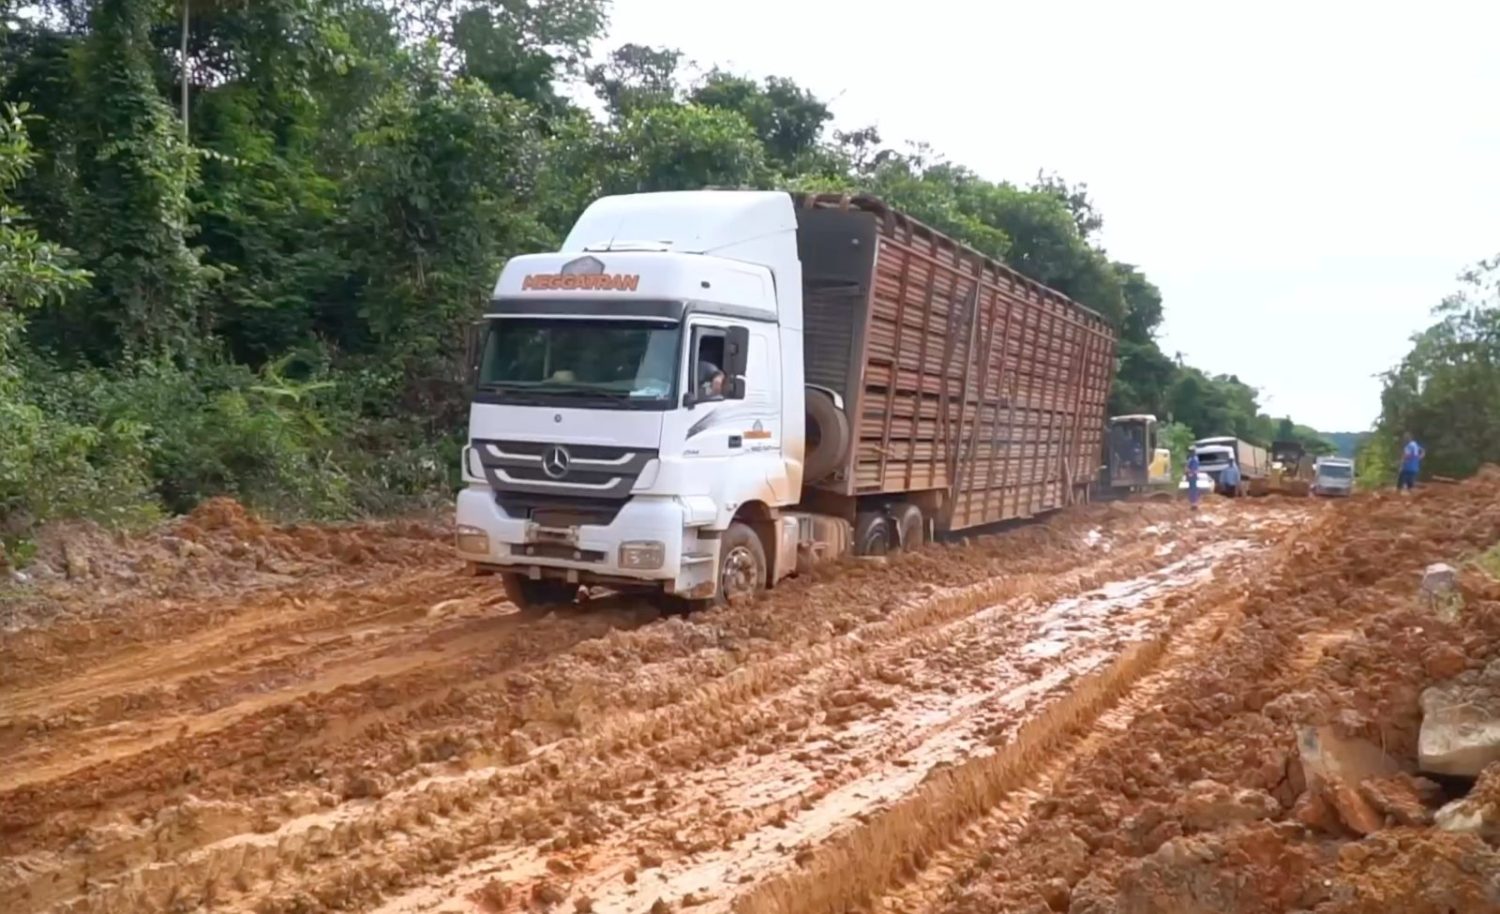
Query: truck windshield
(1335,471)
(1213,459)
(608,363)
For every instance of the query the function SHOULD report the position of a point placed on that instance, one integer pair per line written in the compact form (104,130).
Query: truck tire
(537,598)
(828,437)
(873,534)
(911,527)
(742,565)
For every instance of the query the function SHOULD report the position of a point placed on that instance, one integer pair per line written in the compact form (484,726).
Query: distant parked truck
(1333,476)
(1214,454)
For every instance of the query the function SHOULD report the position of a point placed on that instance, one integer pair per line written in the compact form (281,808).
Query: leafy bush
(1177,438)
(121,446)
(51,467)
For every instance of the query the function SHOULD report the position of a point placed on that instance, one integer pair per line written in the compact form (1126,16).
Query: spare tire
(828,437)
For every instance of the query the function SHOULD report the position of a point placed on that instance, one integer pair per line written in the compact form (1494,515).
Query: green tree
(48,466)
(634,77)
(134,172)
(1142,380)
(1143,308)
(1177,438)
(684,147)
(32,270)
(788,119)
(1446,391)
(435,202)
(522,48)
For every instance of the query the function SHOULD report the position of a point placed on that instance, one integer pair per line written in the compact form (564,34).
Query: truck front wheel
(742,564)
(535,598)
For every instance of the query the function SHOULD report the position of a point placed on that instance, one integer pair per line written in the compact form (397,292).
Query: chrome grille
(548,468)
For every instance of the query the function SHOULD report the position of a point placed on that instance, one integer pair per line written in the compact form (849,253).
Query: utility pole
(186,4)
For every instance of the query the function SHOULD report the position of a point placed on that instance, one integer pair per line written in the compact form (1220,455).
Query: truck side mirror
(736,362)
(474,337)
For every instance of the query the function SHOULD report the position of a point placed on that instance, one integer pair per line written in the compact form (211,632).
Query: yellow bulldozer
(1291,470)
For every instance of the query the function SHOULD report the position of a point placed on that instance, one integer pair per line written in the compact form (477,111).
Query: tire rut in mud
(541,742)
(1204,803)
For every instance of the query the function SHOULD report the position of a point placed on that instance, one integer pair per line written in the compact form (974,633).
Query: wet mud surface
(314,719)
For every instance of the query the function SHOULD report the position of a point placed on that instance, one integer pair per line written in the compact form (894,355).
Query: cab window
(707,364)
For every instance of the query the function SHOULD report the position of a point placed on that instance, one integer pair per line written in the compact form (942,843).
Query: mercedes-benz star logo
(555,461)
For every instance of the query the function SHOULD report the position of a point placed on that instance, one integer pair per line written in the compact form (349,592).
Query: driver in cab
(710,381)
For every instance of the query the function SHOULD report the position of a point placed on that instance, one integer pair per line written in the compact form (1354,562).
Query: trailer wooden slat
(975,383)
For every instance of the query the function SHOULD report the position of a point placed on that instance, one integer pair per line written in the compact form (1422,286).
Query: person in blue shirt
(1411,464)
(1192,479)
(1229,479)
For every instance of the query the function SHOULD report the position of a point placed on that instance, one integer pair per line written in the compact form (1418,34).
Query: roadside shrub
(122,447)
(51,467)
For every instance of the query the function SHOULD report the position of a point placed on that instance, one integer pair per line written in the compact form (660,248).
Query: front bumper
(645,527)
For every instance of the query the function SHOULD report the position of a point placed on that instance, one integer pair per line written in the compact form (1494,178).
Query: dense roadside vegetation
(1446,391)
(238,245)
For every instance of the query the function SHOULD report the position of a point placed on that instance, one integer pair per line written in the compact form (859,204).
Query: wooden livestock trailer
(970,390)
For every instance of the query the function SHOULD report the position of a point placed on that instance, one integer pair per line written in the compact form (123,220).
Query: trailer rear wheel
(911,528)
(828,437)
(535,598)
(873,534)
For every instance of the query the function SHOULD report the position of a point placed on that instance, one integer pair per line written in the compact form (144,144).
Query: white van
(1333,476)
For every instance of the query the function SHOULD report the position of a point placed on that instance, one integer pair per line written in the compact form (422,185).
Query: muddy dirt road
(229,716)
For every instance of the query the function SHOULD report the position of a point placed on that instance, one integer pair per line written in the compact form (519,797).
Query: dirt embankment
(302,719)
(1277,770)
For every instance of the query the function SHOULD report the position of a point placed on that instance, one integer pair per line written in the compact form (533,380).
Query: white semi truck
(704,392)
(1214,454)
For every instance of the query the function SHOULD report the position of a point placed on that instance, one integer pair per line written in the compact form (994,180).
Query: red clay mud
(1124,708)
(1309,700)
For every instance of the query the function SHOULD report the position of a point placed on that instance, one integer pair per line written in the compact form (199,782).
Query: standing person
(1230,479)
(1411,464)
(1192,479)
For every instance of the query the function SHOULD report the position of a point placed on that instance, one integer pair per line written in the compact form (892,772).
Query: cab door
(736,422)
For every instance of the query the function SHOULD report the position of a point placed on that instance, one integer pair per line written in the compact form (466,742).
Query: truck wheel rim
(738,577)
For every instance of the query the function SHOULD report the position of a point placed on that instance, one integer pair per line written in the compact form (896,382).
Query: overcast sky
(1302,180)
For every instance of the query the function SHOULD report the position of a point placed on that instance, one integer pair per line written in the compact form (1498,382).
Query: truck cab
(1212,461)
(1333,476)
(633,392)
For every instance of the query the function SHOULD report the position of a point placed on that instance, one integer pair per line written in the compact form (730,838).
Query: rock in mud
(1210,805)
(1334,768)
(1439,580)
(1353,809)
(1326,756)
(1478,813)
(1314,811)
(1403,799)
(1461,723)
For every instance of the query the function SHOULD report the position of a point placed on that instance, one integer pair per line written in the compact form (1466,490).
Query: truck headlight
(643,555)
(473,540)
